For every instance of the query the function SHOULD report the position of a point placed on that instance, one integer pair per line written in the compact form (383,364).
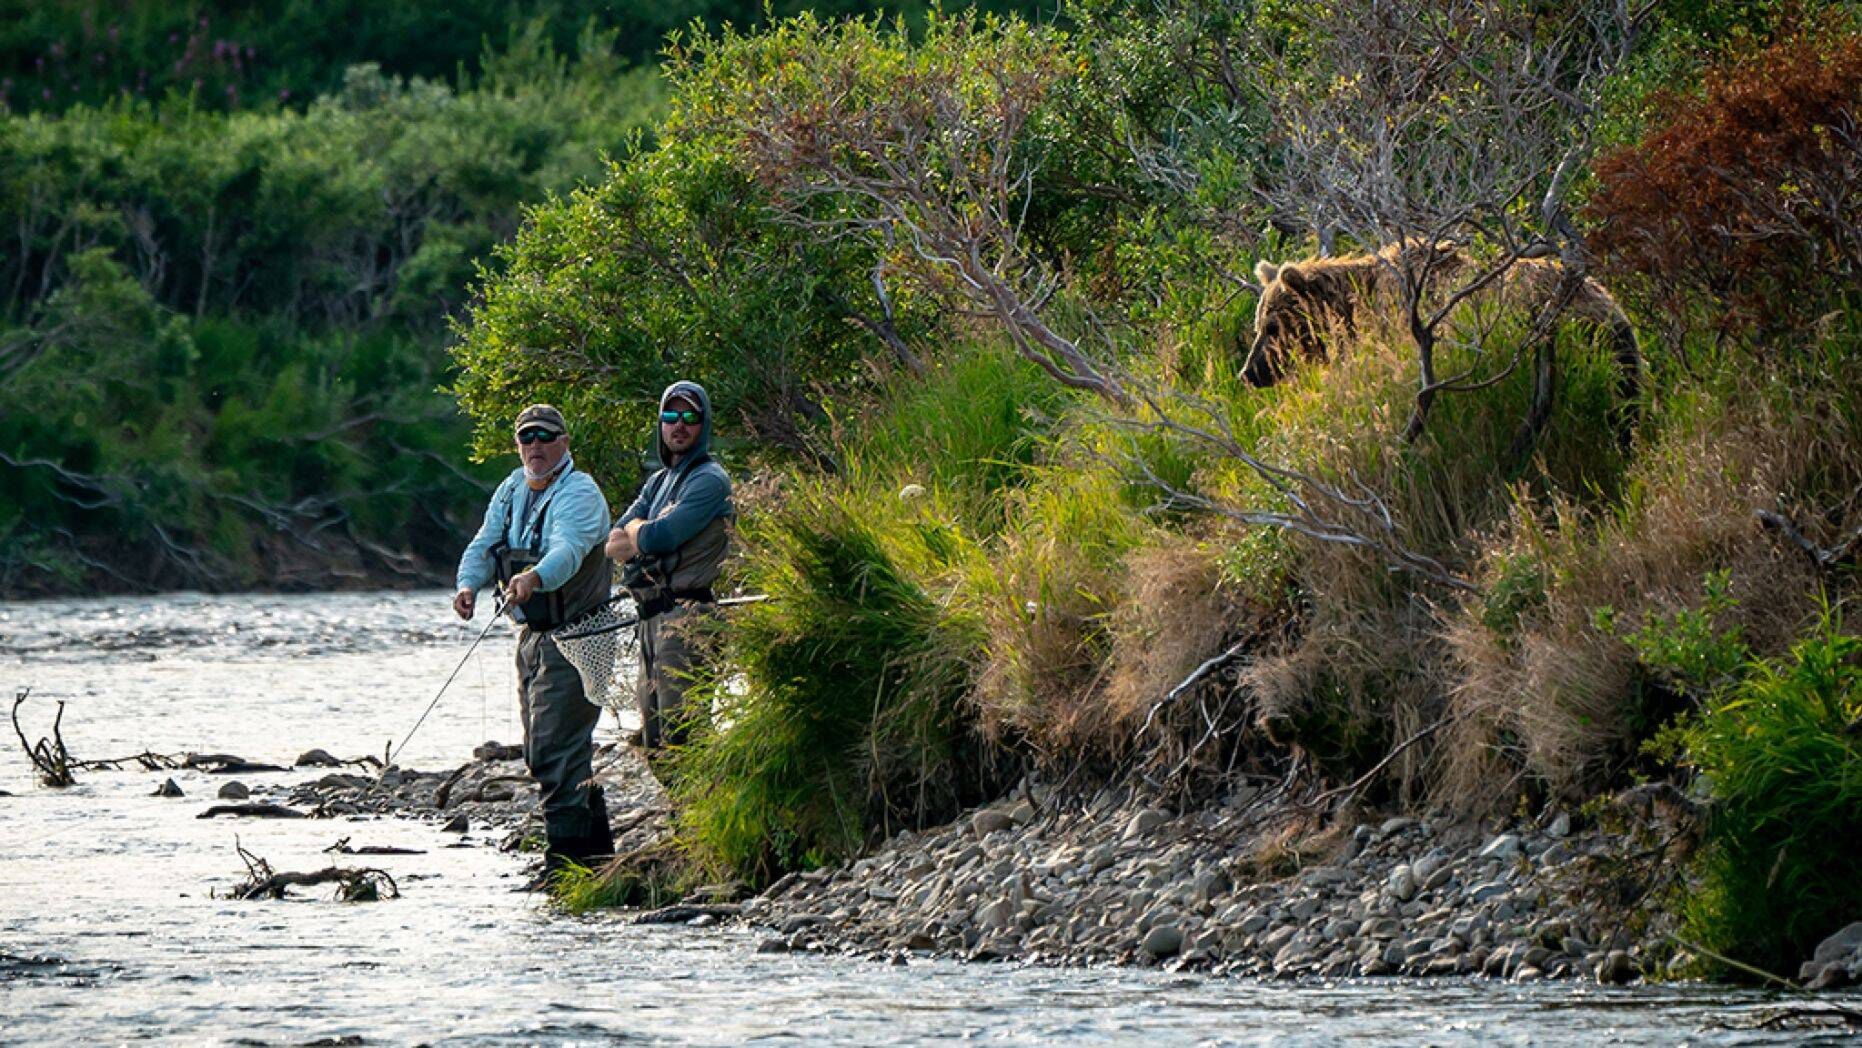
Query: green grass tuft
(1783,759)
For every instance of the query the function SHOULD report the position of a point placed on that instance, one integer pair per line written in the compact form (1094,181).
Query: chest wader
(559,721)
(668,590)
(546,611)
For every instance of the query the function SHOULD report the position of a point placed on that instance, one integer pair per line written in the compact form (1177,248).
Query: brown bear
(1302,302)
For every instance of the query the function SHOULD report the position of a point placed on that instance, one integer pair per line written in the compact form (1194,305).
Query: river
(110,930)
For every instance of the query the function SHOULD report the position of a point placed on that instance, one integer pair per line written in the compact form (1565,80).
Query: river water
(110,931)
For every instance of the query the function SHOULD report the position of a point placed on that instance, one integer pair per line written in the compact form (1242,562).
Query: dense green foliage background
(232,55)
(236,237)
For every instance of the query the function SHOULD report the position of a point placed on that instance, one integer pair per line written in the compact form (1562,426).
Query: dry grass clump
(1175,616)
(1543,691)
(1046,594)
(1367,667)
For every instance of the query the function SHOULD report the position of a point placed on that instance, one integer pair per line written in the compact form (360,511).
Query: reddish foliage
(1748,193)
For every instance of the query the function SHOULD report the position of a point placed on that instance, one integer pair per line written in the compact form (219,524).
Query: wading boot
(600,839)
(557,854)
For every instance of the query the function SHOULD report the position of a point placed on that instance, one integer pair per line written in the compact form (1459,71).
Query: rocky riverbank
(1248,887)
(1120,881)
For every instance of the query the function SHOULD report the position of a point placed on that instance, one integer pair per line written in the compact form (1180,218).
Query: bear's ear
(1294,278)
(1265,272)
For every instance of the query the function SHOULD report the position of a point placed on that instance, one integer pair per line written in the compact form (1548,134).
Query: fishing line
(490,622)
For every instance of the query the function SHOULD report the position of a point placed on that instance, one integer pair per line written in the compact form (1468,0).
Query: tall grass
(1782,758)
(1542,698)
(843,698)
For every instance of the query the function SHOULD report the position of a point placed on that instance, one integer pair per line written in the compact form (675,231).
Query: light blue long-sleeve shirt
(576,521)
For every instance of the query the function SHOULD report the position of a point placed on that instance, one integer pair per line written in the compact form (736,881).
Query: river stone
(1560,827)
(1396,824)
(988,821)
(457,824)
(497,751)
(317,759)
(1163,940)
(1506,846)
(773,946)
(1615,968)
(1425,867)
(234,791)
(1489,890)
(1840,945)
(1401,884)
(167,789)
(1022,813)
(1144,822)
(996,915)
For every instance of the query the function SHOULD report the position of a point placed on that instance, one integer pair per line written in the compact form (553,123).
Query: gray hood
(690,391)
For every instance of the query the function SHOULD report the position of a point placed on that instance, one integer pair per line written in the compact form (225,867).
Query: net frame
(593,644)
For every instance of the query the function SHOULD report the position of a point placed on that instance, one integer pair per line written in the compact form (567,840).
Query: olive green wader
(671,610)
(559,724)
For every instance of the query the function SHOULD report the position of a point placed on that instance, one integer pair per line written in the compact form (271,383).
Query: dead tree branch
(49,757)
(1433,124)
(1362,519)
(353,884)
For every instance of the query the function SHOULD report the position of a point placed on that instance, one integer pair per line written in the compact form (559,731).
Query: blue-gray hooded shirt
(702,487)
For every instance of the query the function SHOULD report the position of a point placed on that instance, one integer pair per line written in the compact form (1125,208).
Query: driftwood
(683,912)
(49,757)
(444,795)
(255,811)
(353,884)
(343,847)
(147,760)
(1824,559)
(225,764)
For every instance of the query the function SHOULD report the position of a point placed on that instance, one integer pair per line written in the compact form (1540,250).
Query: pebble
(1505,846)
(1163,940)
(988,821)
(1144,822)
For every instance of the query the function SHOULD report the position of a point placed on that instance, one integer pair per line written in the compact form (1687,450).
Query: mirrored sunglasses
(690,418)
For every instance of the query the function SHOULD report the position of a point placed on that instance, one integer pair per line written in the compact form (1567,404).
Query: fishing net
(593,645)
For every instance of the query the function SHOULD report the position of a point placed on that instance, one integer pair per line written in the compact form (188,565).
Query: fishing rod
(490,622)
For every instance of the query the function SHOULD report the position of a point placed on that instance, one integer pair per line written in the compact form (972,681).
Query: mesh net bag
(593,645)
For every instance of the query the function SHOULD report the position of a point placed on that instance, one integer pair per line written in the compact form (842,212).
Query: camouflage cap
(541,416)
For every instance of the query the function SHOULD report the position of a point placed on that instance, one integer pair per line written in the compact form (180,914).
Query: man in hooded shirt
(541,542)
(672,541)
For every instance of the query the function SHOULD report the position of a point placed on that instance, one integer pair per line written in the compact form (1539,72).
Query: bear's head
(1294,311)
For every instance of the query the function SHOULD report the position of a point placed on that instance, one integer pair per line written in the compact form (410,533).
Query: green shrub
(839,700)
(1781,756)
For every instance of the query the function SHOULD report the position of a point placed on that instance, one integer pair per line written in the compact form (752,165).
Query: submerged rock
(167,789)
(234,791)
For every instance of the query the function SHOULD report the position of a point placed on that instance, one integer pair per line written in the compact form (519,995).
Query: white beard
(560,467)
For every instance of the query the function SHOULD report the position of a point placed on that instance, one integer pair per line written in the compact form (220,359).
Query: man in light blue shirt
(542,542)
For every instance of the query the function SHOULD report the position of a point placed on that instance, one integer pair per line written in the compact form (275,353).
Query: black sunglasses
(537,436)
(690,418)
